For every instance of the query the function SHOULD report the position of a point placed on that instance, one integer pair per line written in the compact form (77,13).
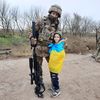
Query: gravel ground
(79,79)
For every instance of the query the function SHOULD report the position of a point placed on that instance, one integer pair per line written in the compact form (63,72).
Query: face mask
(52,18)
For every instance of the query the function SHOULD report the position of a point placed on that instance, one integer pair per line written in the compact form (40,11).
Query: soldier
(97,55)
(45,28)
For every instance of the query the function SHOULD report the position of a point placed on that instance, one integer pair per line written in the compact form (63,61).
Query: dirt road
(79,80)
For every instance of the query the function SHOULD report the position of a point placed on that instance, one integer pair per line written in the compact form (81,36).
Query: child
(55,64)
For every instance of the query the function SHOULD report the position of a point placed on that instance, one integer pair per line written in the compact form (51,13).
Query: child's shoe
(55,93)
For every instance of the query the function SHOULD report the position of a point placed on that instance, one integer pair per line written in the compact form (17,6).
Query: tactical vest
(46,30)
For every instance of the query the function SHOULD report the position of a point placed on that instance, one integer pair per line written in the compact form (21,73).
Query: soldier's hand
(33,41)
(29,35)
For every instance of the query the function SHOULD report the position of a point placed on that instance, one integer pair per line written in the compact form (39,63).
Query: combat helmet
(56,8)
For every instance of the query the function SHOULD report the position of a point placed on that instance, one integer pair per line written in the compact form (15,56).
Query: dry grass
(75,45)
(80,45)
(21,51)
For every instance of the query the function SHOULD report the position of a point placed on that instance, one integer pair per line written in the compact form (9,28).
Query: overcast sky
(89,8)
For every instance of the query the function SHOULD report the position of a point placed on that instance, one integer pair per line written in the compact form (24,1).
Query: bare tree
(76,22)
(17,19)
(78,25)
(4,16)
(88,26)
(72,25)
(33,14)
(66,22)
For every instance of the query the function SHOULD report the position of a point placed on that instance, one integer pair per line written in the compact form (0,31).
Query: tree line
(12,20)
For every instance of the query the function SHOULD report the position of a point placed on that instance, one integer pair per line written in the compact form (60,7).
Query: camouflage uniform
(45,28)
(97,55)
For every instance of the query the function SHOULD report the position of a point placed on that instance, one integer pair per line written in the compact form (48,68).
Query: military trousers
(40,52)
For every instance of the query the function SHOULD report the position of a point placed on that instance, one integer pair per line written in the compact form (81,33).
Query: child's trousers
(55,81)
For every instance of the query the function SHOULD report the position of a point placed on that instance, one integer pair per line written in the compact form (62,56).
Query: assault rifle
(32,60)
(34,66)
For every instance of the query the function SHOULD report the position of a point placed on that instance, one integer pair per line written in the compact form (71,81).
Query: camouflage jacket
(46,28)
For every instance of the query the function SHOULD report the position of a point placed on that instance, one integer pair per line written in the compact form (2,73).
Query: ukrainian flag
(56,59)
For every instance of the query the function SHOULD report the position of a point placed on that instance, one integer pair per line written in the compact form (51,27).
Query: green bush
(13,40)
(18,40)
(5,41)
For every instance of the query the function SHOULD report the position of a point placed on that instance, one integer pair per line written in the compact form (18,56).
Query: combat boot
(38,93)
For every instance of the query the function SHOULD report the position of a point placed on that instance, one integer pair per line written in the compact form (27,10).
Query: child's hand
(65,39)
(66,45)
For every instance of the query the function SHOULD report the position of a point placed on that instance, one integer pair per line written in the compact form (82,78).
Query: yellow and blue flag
(57,55)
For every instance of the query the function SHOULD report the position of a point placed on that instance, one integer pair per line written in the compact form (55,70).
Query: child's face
(56,38)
